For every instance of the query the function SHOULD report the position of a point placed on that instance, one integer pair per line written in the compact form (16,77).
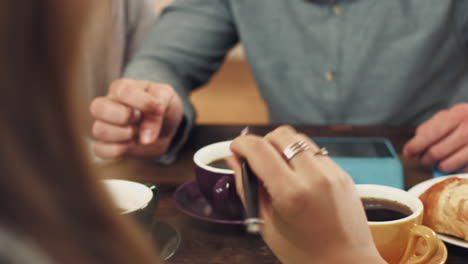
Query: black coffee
(378,210)
(219,163)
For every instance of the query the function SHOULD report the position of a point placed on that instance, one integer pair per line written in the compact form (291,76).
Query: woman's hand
(311,210)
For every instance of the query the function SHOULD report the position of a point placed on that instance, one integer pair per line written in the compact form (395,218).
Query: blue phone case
(368,169)
(437,173)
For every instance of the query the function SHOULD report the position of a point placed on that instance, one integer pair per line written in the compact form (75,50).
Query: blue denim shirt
(353,62)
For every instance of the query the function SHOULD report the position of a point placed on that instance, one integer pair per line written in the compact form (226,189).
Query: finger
(264,196)
(464,169)
(456,161)
(136,116)
(447,146)
(151,124)
(283,137)
(430,133)
(265,207)
(150,128)
(110,150)
(134,94)
(173,113)
(158,148)
(104,109)
(258,153)
(112,133)
(234,164)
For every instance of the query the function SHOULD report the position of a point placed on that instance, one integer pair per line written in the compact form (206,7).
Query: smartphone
(367,160)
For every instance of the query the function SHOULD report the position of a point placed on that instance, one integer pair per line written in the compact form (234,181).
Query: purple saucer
(191,202)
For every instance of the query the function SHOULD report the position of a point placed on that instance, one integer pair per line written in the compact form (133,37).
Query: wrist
(175,144)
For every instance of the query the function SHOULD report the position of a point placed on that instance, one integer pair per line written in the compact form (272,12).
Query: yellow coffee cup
(396,239)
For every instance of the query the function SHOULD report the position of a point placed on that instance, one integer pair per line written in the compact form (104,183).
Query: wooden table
(219,244)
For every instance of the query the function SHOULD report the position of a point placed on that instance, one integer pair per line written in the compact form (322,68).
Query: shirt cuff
(177,143)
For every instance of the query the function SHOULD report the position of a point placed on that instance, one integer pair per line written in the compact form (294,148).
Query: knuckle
(130,132)
(460,111)
(127,116)
(247,141)
(420,129)
(434,133)
(445,167)
(157,88)
(283,130)
(440,114)
(165,87)
(151,105)
(280,132)
(463,131)
(124,91)
(435,154)
(96,106)
(106,151)
(306,137)
(255,141)
(118,83)
(102,109)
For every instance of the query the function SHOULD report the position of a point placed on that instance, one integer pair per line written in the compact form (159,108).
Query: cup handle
(431,240)
(152,207)
(225,199)
(154,189)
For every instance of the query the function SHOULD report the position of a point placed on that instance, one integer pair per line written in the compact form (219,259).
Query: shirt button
(329,76)
(337,10)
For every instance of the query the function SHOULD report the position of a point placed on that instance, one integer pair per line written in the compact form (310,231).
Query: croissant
(446,207)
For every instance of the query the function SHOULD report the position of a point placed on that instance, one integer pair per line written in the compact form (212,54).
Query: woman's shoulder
(15,249)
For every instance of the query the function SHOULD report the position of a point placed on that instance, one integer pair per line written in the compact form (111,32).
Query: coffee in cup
(378,210)
(395,221)
(216,180)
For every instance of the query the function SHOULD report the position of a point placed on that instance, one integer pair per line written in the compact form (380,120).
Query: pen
(250,186)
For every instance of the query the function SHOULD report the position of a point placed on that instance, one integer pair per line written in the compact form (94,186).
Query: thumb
(152,123)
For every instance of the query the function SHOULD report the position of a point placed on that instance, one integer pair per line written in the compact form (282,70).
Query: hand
(312,213)
(136,118)
(443,140)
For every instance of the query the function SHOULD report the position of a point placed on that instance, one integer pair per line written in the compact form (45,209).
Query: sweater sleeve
(184,49)
(140,17)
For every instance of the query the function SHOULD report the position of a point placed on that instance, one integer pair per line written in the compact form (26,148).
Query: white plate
(419,188)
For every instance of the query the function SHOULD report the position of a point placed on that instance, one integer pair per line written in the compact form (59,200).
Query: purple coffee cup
(217,184)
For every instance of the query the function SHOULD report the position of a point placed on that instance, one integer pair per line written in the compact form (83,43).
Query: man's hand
(136,118)
(443,140)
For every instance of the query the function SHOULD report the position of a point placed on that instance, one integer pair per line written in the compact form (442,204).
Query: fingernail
(147,136)
(136,115)
(158,109)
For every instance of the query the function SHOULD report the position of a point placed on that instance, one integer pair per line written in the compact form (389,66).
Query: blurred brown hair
(47,191)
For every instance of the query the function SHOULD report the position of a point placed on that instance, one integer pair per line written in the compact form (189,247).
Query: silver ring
(321,152)
(290,151)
